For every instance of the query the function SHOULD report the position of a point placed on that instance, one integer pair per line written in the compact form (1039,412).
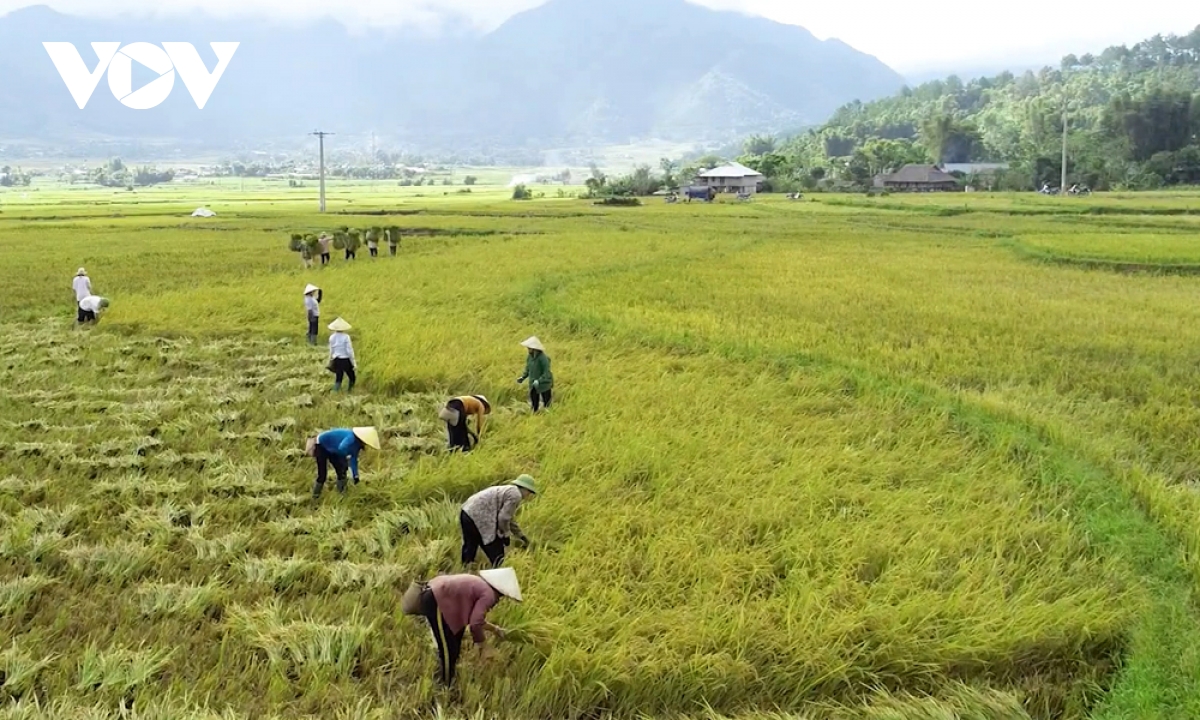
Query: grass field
(920,457)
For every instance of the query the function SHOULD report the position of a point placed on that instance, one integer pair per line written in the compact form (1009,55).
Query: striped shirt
(340,347)
(492,510)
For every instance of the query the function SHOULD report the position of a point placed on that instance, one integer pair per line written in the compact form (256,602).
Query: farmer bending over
(90,308)
(340,448)
(455,414)
(452,603)
(487,520)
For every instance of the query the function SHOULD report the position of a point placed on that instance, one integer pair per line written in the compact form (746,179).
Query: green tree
(760,145)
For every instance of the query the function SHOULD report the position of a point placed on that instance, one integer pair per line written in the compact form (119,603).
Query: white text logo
(118,61)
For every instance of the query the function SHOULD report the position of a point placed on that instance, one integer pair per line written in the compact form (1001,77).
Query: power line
(322,135)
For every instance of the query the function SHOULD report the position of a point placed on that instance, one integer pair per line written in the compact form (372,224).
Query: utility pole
(322,135)
(1062,189)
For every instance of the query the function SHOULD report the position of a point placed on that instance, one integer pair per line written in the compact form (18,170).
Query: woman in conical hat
(341,355)
(313,296)
(454,603)
(456,413)
(537,372)
(340,447)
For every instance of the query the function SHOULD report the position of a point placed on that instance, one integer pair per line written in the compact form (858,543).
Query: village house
(731,178)
(917,178)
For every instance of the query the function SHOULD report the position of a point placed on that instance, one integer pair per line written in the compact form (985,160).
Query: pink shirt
(464,601)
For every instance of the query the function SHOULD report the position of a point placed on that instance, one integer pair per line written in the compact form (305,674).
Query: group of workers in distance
(451,604)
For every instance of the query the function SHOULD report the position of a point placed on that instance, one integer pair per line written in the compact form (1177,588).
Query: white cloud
(910,37)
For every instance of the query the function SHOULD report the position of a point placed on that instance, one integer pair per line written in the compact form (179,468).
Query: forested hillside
(1133,118)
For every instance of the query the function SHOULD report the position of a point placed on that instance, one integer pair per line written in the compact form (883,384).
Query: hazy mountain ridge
(566,71)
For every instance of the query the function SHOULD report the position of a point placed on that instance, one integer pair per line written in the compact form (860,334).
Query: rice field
(849,457)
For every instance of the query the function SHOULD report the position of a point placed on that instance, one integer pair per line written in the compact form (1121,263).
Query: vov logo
(118,61)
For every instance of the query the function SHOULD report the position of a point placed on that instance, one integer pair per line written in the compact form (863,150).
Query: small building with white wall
(731,178)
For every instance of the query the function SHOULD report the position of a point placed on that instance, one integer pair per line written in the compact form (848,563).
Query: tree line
(1132,117)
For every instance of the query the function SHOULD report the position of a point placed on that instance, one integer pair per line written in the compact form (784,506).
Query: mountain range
(568,71)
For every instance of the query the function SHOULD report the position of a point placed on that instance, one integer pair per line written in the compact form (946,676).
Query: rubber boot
(337,387)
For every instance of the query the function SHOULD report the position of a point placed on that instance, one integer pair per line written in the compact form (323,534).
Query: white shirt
(82,286)
(340,347)
(90,303)
(310,304)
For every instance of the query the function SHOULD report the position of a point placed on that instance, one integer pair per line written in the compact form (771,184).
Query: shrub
(469,180)
(619,201)
(521,192)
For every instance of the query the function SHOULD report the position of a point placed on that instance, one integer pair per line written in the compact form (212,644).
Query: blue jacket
(341,443)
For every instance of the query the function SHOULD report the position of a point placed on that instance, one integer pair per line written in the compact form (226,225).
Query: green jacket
(537,370)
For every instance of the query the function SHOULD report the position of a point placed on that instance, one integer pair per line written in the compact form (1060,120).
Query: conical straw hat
(534,344)
(368,435)
(339,325)
(310,288)
(487,406)
(80,272)
(503,581)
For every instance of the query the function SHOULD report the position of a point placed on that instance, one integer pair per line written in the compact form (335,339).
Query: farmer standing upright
(82,285)
(323,244)
(341,355)
(537,372)
(340,448)
(453,603)
(455,414)
(313,296)
(487,520)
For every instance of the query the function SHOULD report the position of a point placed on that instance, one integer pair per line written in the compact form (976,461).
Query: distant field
(846,457)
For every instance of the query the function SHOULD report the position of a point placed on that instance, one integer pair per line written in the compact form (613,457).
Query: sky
(913,37)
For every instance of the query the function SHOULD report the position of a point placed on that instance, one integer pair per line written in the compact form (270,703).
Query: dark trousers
(449,645)
(325,258)
(85,315)
(539,398)
(312,329)
(392,249)
(342,367)
(350,255)
(374,252)
(459,435)
(473,542)
(324,460)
